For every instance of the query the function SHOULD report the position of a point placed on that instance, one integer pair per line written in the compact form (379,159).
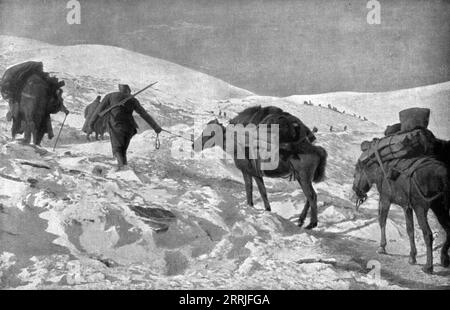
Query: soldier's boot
(125,160)
(120,161)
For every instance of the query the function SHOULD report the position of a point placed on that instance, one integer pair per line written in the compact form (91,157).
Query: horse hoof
(412,261)
(445,261)
(269,209)
(311,226)
(381,250)
(300,223)
(428,269)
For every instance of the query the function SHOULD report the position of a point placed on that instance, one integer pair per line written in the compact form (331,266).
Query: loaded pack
(15,77)
(408,139)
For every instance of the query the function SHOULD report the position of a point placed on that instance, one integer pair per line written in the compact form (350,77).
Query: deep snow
(73,225)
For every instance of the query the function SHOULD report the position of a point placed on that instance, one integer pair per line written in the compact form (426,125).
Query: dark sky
(269,47)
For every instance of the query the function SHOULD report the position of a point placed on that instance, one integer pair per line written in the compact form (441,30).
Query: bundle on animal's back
(291,129)
(403,145)
(407,139)
(414,118)
(15,77)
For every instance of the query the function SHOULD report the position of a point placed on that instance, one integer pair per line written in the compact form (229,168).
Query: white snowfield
(67,220)
(382,108)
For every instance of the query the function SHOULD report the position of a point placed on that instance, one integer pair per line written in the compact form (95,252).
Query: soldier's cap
(124,88)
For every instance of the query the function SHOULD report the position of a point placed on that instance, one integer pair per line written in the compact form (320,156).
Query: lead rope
(158,143)
(175,135)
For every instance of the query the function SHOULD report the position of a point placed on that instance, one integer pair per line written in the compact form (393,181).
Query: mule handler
(120,122)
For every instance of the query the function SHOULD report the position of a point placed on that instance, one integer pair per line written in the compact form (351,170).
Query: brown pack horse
(426,188)
(38,101)
(307,167)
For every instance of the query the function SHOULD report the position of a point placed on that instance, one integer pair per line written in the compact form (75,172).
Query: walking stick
(57,138)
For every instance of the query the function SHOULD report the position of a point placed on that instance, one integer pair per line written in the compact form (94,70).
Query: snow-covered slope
(120,65)
(382,108)
(67,220)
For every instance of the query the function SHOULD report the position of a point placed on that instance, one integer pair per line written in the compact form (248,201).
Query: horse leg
(444,219)
(29,125)
(383,211)
(421,214)
(311,197)
(248,187)
(302,217)
(410,230)
(38,137)
(263,192)
(35,132)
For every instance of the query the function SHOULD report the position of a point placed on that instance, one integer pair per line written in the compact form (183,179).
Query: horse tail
(319,174)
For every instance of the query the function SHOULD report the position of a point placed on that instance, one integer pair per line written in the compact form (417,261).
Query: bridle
(361,197)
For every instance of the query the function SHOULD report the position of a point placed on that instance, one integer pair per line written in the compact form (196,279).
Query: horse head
(56,99)
(211,136)
(361,185)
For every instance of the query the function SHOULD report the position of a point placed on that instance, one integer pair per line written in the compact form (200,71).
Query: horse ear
(365,145)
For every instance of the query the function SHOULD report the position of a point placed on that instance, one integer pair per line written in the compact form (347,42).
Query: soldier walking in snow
(99,126)
(120,122)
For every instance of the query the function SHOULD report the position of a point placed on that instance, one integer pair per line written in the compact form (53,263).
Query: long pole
(57,138)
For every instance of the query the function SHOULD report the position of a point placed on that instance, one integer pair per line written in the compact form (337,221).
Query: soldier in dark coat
(99,126)
(120,122)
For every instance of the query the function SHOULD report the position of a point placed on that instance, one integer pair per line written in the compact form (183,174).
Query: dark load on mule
(14,79)
(410,138)
(410,119)
(414,118)
(32,95)
(404,145)
(293,133)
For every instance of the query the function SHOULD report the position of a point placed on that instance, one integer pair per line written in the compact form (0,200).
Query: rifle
(123,101)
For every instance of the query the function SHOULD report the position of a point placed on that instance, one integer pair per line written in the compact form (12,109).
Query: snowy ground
(67,219)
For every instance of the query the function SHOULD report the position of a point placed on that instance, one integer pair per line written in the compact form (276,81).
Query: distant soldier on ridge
(120,122)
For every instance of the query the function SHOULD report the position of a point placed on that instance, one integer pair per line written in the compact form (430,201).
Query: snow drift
(68,221)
